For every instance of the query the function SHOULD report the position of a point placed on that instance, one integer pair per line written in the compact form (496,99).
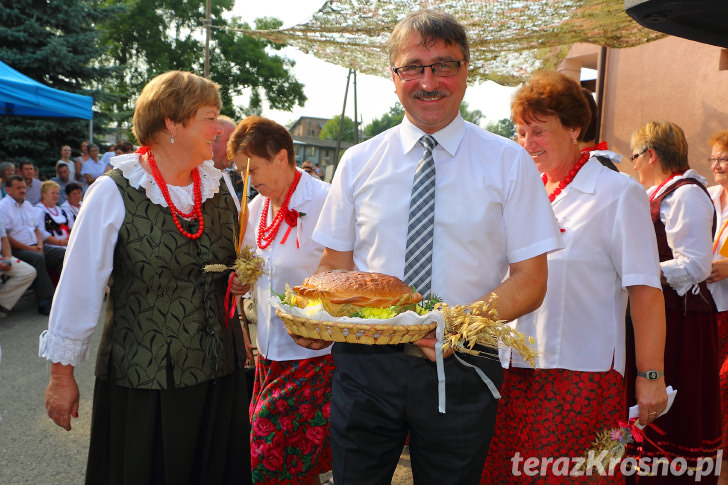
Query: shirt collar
(303,192)
(448,138)
(586,180)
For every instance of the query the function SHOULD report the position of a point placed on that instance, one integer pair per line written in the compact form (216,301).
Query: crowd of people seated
(36,219)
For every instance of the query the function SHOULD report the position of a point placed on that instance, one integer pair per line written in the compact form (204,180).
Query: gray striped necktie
(418,257)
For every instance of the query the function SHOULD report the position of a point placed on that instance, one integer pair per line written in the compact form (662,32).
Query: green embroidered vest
(165,318)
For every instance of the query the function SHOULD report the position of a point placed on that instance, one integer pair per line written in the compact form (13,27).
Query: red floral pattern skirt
(551,413)
(289,420)
(723,362)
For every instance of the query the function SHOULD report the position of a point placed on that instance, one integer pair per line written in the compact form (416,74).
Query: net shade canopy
(509,39)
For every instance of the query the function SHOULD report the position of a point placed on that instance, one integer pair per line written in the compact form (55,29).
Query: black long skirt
(193,435)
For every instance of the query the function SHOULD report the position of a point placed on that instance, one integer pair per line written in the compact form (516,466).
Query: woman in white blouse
(577,387)
(289,410)
(170,390)
(684,222)
(718,279)
(55,221)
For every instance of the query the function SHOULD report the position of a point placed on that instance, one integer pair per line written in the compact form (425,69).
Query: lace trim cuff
(62,350)
(676,277)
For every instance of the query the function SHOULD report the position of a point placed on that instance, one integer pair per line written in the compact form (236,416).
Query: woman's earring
(171,140)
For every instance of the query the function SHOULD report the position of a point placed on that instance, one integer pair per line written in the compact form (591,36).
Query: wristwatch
(651,375)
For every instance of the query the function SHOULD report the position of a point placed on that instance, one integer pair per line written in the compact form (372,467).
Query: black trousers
(52,257)
(380,395)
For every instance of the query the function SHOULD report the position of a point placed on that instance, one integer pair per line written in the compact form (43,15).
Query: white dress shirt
(79,297)
(286,264)
(610,245)
(719,289)
(688,217)
(21,220)
(490,207)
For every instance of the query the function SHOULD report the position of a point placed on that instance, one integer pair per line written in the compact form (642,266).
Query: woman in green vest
(170,397)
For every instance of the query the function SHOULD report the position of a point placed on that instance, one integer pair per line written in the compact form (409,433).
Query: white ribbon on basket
(407,318)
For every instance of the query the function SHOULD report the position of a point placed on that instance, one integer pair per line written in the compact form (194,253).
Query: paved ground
(33,450)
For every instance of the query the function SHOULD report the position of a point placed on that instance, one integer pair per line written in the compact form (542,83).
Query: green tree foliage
(330,130)
(387,121)
(504,128)
(396,113)
(54,43)
(471,116)
(154,36)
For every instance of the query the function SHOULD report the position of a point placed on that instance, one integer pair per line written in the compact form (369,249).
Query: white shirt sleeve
(87,266)
(688,217)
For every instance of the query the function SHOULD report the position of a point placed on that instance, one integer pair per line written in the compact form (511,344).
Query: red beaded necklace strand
(196,212)
(266,235)
(569,177)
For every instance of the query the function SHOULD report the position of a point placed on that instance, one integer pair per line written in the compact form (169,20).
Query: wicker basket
(355,333)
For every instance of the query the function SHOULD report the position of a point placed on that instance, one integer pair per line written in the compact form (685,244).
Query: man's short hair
(432,26)
(24,163)
(12,178)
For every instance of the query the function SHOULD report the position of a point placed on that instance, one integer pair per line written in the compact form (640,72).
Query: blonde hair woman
(170,393)
(717,281)
(684,222)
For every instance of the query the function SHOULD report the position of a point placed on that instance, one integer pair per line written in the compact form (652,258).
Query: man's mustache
(429,94)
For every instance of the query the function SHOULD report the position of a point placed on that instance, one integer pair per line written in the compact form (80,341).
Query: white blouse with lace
(79,297)
(687,215)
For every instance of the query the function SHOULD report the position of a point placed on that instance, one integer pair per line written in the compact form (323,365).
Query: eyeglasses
(721,160)
(439,69)
(635,156)
(308,169)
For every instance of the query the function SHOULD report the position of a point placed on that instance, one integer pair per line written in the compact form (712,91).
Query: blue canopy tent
(23,96)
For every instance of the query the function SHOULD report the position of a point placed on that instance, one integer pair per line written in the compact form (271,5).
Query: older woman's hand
(719,271)
(237,287)
(61,398)
(651,398)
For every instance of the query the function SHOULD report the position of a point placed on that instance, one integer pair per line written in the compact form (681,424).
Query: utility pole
(206,22)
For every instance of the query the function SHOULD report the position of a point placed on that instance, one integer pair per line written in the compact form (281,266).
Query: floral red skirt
(289,420)
(551,413)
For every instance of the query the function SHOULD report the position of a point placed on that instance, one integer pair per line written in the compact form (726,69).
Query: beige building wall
(671,79)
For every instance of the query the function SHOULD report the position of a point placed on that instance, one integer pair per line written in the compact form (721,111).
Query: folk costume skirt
(192,435)
(551,413)
(692,427)
(289,416)
(722,318)
(691,430)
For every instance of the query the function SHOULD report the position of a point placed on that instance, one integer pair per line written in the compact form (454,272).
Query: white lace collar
(183,197)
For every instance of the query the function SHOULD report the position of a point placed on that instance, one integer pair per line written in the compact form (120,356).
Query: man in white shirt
(15,275)
(24,232)
(492,228)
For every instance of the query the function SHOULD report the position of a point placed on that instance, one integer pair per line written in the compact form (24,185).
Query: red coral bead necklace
(569,177)
(266,235)
(196,212)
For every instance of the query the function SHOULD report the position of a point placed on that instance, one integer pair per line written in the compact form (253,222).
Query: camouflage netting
(509,38)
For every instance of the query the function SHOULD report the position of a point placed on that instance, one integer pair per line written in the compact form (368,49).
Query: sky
(325,83)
